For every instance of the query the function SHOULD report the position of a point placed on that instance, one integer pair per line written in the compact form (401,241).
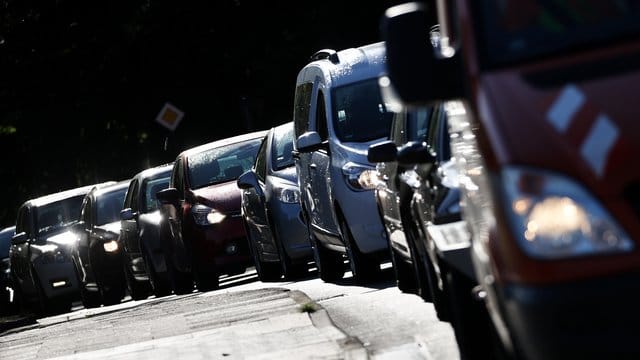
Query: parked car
(338,113)
(201,231)
(97,255)
(394,194)
(144,263)
(544,134)
(5,271)
(42,271)
(271,211)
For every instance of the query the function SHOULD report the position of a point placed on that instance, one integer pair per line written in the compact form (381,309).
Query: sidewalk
(269,323)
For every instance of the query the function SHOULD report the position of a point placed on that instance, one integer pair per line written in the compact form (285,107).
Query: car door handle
(312,166)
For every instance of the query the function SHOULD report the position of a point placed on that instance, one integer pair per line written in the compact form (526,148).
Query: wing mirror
(385,151)
(415,152)
(128,214)
(19,239)
(169,196)
(247,180)
(310,142)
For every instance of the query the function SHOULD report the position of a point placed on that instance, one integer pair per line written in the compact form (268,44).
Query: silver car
(338,113)
(275,229)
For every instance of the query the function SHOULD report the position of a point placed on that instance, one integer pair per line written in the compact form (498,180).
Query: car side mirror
(19,239)
(128,214)
(309,142)
(415,152)
(385,151)
(248,180)
(169,196)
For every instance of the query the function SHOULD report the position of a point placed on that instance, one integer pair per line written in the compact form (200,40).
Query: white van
(338,113)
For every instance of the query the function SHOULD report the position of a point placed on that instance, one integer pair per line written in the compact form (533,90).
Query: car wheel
(206,280)
(160,285)
(113,294)
(90,299)
(330,263)
(138,290)
(405,276)
(181,282)
(363,268)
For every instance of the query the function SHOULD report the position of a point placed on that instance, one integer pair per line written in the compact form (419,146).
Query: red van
(545,133)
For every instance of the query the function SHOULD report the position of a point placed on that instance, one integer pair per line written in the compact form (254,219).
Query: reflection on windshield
(58,214)
(518,29)
(108,206)
(359,114)
(222,164)
(282,148)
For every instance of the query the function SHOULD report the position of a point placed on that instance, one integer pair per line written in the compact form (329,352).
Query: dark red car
(201,231)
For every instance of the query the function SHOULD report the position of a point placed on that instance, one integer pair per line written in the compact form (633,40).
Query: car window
(129,199)
(321,118)
(418,124)
(222,164)
(261,161)
(85,211)
(281,147)
(108,206)
(151,188)
(58,214)
(302,105)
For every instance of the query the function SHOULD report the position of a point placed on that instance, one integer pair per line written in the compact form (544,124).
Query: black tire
(181,282)
(405,275)
(159,283)
(206,281)
(90,299)
(364,268)
(474,331)
(330,263)
(138,290)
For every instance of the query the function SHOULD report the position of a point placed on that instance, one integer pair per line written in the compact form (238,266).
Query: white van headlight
(554,217)
(360,177)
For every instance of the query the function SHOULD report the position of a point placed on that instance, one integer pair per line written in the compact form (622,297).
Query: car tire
(138,290)
(181,282)
(405,275)
(159,283)
(363,268)
(90,299)
(206,281)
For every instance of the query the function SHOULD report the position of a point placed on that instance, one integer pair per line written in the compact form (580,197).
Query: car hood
(65,239)
(223,197)
(113,227)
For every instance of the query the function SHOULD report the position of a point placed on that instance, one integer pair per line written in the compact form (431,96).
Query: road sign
(170,116)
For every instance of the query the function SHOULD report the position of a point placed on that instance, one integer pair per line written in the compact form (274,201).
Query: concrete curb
(352,346)
(11,325)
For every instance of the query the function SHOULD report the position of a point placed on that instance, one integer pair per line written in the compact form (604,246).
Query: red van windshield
(518,30)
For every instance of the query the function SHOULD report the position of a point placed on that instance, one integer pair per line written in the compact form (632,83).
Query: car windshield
(58,214)
(359,114)
(222,164)
(282,147)
(109,205)
(151,188)
(5,242)
(517,30)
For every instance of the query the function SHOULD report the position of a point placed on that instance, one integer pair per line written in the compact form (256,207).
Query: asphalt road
(247,319)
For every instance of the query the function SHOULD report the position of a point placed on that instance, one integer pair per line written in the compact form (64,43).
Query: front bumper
(220,247)
(590,319)
(58,279)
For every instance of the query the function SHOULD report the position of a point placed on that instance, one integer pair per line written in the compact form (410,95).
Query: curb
(352,346)
(17,324)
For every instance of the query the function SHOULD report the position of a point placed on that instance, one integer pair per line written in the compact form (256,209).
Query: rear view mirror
(127,214)
(248,180)
(415,152)
(169,196)
(19,239)
(385,151)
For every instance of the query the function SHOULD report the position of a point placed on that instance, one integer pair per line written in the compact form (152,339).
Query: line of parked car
(397,150)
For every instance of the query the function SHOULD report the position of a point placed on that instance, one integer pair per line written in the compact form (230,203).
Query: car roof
(100,190)
(62,195)
(350,65)
(151,172)
(223,142)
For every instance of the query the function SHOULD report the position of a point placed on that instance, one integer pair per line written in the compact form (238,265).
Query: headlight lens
(288,195)
(110,246)
(204,215)
(360,177)
(553,217)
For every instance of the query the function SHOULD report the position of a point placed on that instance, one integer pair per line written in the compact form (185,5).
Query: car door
(323,217)
(176,249)
(83,246)
(255,199)
(129,230)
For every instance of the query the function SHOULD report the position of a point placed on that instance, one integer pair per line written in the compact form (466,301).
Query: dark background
(82,81)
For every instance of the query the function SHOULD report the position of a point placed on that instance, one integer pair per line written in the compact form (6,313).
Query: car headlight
(204,215)
(110,246)
(554,217)
(360,177)
(287,195)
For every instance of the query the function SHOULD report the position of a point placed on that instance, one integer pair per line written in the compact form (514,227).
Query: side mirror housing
(248,180)
(128,214)
(415,152)
(19,239)
(169,196)
(385,151)
(309,142)
(420,74)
